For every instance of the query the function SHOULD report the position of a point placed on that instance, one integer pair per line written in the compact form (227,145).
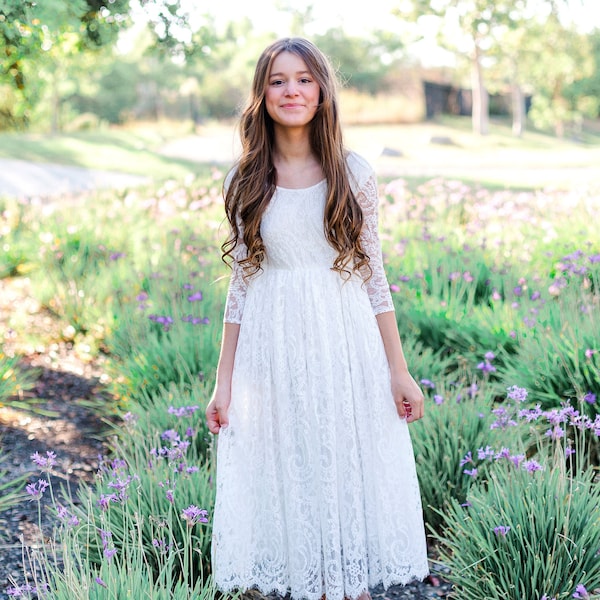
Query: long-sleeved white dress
(317,491)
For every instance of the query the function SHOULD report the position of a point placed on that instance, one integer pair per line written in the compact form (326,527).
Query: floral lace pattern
(317,491)
(365,188)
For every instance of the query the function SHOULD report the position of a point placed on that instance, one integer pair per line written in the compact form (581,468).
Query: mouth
(291,106)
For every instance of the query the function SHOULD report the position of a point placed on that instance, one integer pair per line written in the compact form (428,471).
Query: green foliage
(558,358)
(549,548)
(14,379)
(155,476)
(361,63)
(457,422)
(11,491)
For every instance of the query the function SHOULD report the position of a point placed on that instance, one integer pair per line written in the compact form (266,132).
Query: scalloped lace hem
(284,591)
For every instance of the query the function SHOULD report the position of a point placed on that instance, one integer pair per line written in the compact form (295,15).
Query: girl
(317,493)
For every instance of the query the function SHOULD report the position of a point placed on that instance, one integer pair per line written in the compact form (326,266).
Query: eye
(276,82)
(305,80)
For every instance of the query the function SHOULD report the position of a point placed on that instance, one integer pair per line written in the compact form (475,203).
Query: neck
(292,145)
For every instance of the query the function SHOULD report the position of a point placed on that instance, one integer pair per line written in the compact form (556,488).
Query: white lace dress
(316,485)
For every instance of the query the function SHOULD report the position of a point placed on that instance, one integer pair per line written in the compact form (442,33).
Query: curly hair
(254,177)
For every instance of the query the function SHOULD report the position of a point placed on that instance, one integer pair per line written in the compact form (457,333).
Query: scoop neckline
(303,189)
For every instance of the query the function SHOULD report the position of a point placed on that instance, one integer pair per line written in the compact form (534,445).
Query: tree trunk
(480,111)
(518,109)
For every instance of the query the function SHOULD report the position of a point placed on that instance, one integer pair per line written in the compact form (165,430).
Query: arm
(408,397)
(218,407)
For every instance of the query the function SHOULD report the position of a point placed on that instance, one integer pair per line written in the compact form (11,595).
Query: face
(292,94)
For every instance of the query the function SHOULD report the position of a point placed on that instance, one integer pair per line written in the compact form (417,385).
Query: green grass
(496,161)
(129,151)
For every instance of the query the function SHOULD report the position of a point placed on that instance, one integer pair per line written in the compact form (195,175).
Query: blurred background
(72,65)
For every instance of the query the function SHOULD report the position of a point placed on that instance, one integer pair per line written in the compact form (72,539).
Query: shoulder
(359,171)
(229,178)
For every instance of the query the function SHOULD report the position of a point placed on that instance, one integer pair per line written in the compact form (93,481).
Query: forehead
(288,63)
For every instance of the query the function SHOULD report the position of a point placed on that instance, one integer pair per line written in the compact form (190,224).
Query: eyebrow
(297,73)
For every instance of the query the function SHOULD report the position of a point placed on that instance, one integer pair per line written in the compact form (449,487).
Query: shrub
(530,527)
(457,421)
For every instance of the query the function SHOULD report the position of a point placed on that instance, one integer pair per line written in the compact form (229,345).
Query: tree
(501,32)
(29,30)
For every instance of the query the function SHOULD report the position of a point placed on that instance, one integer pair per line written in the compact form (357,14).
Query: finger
(401,409)
(223,417)
(212,420)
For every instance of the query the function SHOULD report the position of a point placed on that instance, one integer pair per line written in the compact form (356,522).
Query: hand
(218,409)
(408,397)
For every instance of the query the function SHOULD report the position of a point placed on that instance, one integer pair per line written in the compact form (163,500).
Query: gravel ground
(61,420)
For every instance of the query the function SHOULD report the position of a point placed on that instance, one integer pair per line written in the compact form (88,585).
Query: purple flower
(109,553)
(556,432)
(100,582)
(27,589)
(517,290)
(536,296)
(501,530)
(105,536)
(467,459)
(64,515)
(589,353)
(438,399)
(483,454)
(517,459)
(195,297)
(116,255)
(504,453)
(169,496)
(192,514)
(142,297)
(171,435)
(162,546)
(569,451)
(503,420)
(428,384)
(130,418)
(394,288)
(36,490)
(44,462)
(486,367)
(472,390)
(581,592)
(517,393)
(489,356)
(471,472)
(590,398)
(183,411)
(105,500)
(532,466)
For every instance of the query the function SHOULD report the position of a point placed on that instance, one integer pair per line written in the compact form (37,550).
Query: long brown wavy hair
(254,178)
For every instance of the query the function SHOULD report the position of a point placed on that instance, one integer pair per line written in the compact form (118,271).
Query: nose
(291,88)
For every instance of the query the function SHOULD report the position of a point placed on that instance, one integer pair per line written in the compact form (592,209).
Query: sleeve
(377,285)
(236,294)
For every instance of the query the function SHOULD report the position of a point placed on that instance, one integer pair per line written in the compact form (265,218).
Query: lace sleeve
(236,295)
(377,286)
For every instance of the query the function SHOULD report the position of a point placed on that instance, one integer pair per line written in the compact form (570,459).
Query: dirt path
(27,179)
(59,420)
